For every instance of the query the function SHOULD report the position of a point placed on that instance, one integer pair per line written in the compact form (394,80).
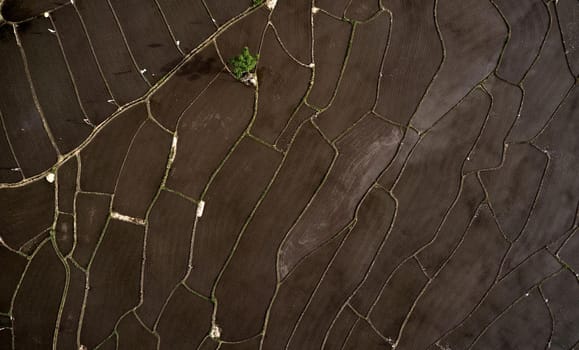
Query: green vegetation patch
(243,63)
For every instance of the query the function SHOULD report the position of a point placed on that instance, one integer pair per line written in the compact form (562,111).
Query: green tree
(243,63)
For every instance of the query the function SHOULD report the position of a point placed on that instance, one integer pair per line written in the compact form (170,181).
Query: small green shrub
(257,2)
(243,63)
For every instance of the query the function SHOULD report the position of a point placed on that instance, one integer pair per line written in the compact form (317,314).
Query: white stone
(50,177)
(200,208)
(215,332)
(88,122)
(249,79)
(173,152)
(127,218)
(270,4)
(315,9)
(46,14)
